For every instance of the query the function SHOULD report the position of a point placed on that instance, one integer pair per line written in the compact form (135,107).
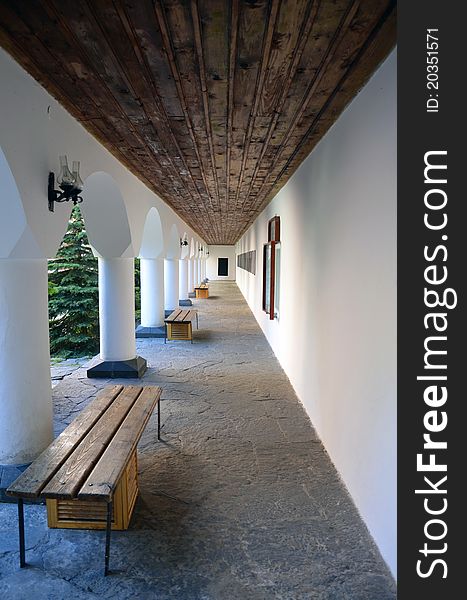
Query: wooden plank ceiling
(212,103)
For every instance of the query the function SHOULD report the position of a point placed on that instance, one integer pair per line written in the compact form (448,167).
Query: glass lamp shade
(65,177)
(78,182)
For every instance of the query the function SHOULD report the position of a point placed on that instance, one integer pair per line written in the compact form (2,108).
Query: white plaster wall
(338,271)
(216,252)
(34,131)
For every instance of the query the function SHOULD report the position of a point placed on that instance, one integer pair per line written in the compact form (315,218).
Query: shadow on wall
(16,239)
(173,248)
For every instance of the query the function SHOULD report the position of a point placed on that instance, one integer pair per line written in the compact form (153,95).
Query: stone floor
(240,500)
(59,369)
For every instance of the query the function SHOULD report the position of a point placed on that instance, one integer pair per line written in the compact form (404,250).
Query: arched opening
(74,294)
(98,230)
(149,278)
(97,227)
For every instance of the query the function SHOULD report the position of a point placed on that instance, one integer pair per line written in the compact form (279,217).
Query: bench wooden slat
(181,316)
(105,476)
(30,483)
(173,315)
(69,478)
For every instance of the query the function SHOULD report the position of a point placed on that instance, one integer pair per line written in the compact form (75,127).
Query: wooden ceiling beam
(305,31)
(213,104)
(375,49)
(159,11)
(258,91)
(338,35)
(234,21)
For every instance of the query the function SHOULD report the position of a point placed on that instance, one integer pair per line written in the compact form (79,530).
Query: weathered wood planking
(70,477)
(33,480)
(212,103)
(104,478)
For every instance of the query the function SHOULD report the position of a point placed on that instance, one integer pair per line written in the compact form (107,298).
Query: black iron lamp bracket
(66,193)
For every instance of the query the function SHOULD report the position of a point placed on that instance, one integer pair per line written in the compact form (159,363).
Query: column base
(119,369)
(150,332)
(185,302)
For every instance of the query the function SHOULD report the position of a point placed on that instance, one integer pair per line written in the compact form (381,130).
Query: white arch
(106,217)
(152,244)
(16,239)
(173,249)
(185,250)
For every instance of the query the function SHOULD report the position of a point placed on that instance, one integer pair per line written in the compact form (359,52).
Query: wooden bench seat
(178,325)
(91,463)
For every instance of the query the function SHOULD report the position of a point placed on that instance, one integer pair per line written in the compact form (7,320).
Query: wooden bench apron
(202,291)
(178,325)
(88,474)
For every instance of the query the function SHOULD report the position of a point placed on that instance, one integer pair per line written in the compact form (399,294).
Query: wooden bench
(88,474)
(178,325)
(202,291)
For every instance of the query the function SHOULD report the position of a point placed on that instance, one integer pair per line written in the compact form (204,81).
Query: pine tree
(73,294)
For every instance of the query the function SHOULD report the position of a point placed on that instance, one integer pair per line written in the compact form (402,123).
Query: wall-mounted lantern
(183,242)
(70,184)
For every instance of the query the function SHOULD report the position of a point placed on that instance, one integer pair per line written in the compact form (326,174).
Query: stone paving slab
(59,369)
(239,500)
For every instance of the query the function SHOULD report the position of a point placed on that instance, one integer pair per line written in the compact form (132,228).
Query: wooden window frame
(273,240)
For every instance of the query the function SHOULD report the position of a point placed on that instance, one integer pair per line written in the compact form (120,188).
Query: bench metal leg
(165,339)
(22,546)
(159,419)
(107,538)
(197,321)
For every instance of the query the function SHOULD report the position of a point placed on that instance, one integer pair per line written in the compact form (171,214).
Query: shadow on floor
(239,501)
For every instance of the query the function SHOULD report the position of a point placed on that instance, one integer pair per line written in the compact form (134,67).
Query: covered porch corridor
(239,500)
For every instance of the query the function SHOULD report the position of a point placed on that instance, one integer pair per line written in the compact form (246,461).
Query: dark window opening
(222,267)
(247,261)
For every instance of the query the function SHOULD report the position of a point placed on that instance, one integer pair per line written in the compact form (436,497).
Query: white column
(152,292)
(183,280)
(117,309)
(25,387)
(190,276)
(199,271)
(171,284)
(203,269)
